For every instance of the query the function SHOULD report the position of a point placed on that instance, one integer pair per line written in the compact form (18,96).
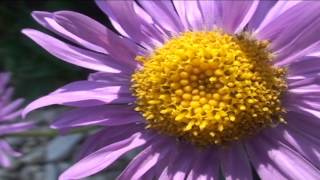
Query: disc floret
(209,87)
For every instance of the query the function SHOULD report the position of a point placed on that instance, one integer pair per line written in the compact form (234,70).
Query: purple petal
(10,108)
(6,96)
(304,121)
(111,115)
(7,149)
(190,14)
(164,14)
(300,81)
(301,55)
(107,136)
(303,79)
(12,115)
(4,79)
(149,175)
(235,15)
(235,163)
(156,171)
(173,165)
(169,162)
(209,13)
(74,55)
(89,33)
(183,163)
(83,94)
(307,105)
(300,44)
(16,127)
(201,170)
(300,141)
(180,162)
(274,160)
(305,65)
(4,160)
(102,158)
(139,27)
(298,27)
(147,159)
(263,9)
(306,90)
(274,10)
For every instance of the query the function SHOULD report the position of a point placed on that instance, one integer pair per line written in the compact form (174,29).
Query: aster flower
(8,114)
(200,87)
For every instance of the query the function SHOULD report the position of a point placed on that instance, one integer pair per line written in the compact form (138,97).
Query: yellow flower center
(209,87)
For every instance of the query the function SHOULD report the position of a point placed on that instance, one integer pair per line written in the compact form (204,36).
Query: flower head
(197,85)
(209,88)
(8,114)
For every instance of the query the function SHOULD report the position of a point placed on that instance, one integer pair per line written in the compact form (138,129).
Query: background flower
(9,112)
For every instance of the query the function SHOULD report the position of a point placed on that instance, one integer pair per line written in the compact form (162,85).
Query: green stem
(48,132)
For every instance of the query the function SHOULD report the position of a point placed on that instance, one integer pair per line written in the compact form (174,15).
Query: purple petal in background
(7,149)
(10,108)
(4,79)
(9,111)
(15,127)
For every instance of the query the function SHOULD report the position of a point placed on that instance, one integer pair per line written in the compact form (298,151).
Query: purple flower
(8,113)
(200,87)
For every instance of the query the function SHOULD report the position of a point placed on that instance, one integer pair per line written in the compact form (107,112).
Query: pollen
(210,87)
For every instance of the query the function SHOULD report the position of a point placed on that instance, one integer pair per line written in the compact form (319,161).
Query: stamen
(209,88)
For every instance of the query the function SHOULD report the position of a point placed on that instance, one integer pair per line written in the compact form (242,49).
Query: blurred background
(36,73)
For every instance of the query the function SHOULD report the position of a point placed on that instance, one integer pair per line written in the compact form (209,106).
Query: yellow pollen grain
(209,87)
